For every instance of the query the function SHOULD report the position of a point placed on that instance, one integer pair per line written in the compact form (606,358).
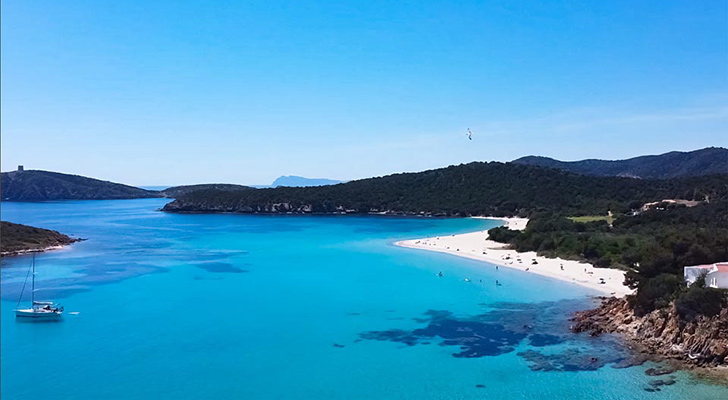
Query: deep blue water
(293,307)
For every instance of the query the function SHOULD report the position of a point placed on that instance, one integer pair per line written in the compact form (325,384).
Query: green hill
(675,164)
(469,189)
(15,238)
(177,191)
(35,185)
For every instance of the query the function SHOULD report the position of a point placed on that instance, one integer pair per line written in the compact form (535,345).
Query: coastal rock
(702,342)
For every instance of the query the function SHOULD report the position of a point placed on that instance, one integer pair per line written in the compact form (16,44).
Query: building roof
(720,267)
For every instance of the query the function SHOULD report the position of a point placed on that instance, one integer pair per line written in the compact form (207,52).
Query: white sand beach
(476,246)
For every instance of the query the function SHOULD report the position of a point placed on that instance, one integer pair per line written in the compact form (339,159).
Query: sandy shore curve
(477,246)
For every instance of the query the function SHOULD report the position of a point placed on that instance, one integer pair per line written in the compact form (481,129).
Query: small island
(19,239)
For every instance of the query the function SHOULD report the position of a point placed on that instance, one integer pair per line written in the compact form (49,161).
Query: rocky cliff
(701,342)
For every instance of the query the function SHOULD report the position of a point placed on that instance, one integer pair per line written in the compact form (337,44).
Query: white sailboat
(39,310)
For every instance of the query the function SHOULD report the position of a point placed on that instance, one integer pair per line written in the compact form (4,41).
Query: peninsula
(18,239)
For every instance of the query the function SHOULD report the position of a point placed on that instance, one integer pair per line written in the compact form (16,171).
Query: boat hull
(38,316)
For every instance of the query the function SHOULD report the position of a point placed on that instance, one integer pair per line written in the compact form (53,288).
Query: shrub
(655,293)
(700,300)
(503,234)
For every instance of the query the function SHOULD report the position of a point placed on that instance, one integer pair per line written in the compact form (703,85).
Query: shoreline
(23,252)
(659,336)
(478,246)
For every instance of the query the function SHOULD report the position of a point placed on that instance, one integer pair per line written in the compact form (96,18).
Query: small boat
(39,310)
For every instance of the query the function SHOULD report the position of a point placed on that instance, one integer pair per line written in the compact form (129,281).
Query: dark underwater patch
(660,370)
(60,292)
(475,338)
(505,325)
(569,360)
(542,339)
(220,268)
(655,384)
(96,274)
(662,382)
(583,358)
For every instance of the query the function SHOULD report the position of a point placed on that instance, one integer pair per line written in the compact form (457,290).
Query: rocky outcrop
(701,342)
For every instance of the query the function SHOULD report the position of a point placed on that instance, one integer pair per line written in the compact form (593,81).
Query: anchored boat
(39,310)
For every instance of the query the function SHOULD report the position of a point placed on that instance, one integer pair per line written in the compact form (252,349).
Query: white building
(716,275)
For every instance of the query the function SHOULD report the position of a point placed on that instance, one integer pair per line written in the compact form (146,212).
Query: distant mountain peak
(675,164)
(293,180)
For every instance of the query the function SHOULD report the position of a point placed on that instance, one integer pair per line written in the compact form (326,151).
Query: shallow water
(264,307)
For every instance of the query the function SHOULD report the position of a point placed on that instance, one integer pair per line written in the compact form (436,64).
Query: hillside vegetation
(15,238)
(177,191)
(469,189)
(653,247)
(34,185)
(676,164)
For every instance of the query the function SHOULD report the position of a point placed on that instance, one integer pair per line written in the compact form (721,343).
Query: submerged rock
(475,338)
(659,371)
(506,325)
(662,382)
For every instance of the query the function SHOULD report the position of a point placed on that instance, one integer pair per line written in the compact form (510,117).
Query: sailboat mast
(32,288)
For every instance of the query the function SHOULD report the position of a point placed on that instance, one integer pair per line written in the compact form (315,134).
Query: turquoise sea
(295,307)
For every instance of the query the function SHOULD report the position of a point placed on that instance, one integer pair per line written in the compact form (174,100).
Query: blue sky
(169,92)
